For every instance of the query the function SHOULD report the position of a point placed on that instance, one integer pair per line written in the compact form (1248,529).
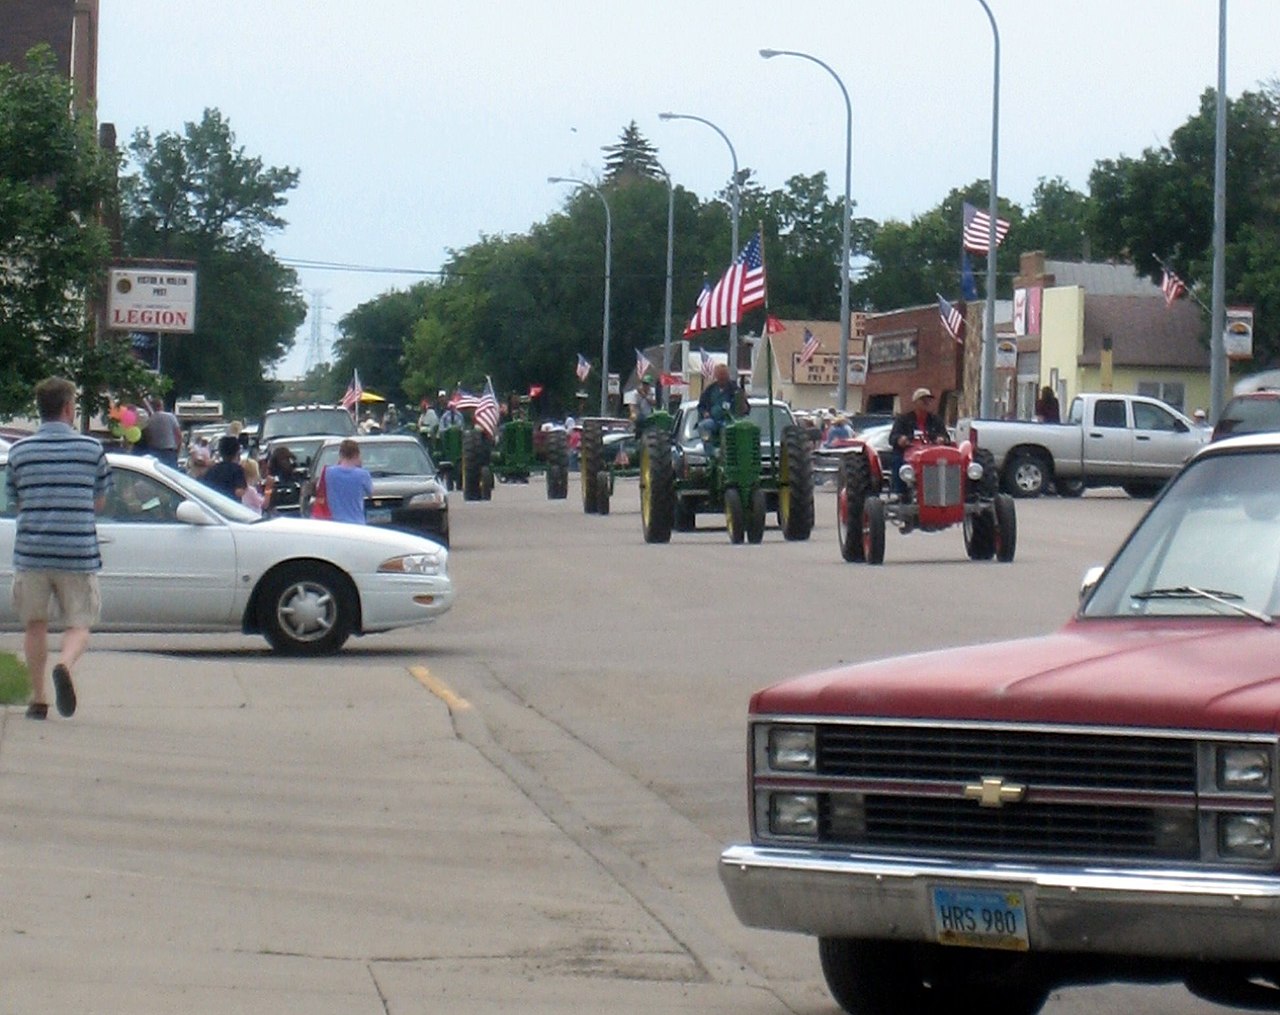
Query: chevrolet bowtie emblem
(994,792)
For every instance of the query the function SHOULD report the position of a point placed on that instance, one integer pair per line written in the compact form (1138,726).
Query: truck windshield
(335,422)
(1209,547)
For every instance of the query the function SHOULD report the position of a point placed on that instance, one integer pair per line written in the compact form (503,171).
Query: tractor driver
(919,422)
(718,403)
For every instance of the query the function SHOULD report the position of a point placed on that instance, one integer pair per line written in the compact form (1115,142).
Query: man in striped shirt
(59,479)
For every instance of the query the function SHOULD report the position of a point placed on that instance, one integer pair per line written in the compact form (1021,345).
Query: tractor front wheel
(873,530)
(1006,534)
(851,496)
(734,515)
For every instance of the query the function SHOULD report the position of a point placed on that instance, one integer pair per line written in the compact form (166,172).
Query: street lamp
(842,389)
(608,275)
(671,224)
(733,241)
(1218,309)
(987,391)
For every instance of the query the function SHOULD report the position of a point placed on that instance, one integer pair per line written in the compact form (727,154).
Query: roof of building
(1144,332)
(1101,279)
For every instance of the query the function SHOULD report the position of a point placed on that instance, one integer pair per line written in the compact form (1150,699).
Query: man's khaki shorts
(76,593)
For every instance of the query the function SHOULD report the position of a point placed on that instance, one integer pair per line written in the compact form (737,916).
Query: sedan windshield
(1209,547)
(386,458)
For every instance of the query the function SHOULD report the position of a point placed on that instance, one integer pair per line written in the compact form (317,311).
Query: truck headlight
(974,472)
(1246,836)
(794,814)
(793,748)
(907,474)
(1244,768)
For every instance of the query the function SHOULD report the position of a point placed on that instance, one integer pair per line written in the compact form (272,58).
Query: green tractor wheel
(604,490)
(474,462)
(657,488)
(795,485)
(757,509)
(686,515)
(557,450)
(734,515)
(591,452)
(486,483)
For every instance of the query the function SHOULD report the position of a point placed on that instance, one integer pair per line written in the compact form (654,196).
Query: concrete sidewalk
(249,835)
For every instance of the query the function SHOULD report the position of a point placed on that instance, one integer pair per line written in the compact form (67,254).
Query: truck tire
(1006,528)
(1068,487)
(854,486)
(657,489)
(795,485)
(1027,474)
(872,977)
(1143,489)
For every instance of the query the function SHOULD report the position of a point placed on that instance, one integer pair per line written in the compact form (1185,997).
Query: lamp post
(1218,312)
(608,275)
(733,241)
(842,389)
(987,390)
(671,224)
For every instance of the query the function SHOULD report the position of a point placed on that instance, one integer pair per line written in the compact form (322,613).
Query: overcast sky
(419,126)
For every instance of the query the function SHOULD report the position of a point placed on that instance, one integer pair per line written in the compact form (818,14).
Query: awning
(369,396)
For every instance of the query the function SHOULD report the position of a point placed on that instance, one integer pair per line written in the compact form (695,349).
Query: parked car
(302,429)
(178,556)
(1129,441)
(408,494)
(971,827)
(1256,412)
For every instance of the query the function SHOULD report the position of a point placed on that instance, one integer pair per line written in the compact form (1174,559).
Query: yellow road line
(440,689)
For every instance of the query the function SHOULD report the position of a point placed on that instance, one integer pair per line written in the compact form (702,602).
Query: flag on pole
(772,325)
(643,364)
(583,369)
(739,289)
(952,319)
(977,229)
(535,390)
(968,287)
(707,365)
(351,399)
(702,299)
(486,415)
(811,344)
(1172,287)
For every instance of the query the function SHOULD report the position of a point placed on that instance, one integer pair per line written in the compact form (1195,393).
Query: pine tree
(631,158)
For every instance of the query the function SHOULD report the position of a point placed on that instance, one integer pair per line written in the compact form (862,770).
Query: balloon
(128,416)
(133,434)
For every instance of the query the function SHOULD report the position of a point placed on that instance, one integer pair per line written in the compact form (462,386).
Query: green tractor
(740,475)
(511,460)
(600,461)
(446,450)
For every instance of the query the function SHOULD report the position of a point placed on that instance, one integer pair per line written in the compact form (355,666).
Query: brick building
(68,27)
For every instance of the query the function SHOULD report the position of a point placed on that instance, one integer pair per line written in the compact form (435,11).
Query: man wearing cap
(919,422)
(643,407)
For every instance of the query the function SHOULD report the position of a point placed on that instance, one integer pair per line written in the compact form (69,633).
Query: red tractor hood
(1221,674)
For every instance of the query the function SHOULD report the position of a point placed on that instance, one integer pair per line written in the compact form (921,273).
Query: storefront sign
(1238,337)
(152,299)
(897,350)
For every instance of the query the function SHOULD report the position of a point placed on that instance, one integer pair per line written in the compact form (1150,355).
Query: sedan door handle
(1096,436)
(1140,437)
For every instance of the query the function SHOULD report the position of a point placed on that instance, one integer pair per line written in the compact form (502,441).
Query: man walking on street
(162,433)
(59,479)
(347,484)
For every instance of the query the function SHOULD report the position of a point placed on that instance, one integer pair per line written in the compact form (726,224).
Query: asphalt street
(519,808)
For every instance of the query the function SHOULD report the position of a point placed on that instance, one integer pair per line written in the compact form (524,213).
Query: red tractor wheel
(873,530)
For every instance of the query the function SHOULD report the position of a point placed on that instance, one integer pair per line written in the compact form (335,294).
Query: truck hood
(1216,674)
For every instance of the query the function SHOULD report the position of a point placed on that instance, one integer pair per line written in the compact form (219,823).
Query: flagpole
(768,354)
(987,389)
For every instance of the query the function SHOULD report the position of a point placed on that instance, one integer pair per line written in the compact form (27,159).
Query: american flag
(1172,287)
(952,319)
(702,299)
(772,325)
(486,415)
(811,344)
(708,365)
(977,229)
(351,399)
(643,364)
(583,369)
(739,289)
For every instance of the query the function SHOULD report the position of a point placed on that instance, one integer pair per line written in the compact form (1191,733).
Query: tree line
(519,308)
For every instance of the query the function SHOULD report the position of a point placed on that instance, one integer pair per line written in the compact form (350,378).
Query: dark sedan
(407,492)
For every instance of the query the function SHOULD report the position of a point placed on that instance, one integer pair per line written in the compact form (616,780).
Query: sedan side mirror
(192,514)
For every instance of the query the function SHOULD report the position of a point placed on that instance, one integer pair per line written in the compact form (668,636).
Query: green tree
(198,196)
(1161,203)
(372,340)
(1059,222)
(54,181)
(631,157)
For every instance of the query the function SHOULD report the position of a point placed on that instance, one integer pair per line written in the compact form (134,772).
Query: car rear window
(1250,415)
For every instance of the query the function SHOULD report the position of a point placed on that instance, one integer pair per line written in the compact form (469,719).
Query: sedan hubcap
(307,611)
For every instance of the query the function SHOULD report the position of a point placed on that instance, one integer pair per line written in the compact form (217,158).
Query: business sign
(1237,339)
(898,350)
(1006,354)
(857,370)
(152,299)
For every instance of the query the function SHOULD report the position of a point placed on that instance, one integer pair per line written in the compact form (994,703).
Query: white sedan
(178,556)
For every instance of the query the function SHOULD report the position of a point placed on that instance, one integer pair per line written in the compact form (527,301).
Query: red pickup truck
(969,829)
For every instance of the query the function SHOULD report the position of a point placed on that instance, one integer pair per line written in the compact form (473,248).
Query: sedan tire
(307,609)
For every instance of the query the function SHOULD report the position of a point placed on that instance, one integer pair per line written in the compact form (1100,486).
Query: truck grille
(941,484)
(1069,760)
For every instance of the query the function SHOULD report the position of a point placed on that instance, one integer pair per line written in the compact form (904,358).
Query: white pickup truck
(1129,441)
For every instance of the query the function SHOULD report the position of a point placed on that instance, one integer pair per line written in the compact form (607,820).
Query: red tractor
(945,485)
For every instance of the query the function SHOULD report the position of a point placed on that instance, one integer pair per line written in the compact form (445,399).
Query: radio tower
(316,352)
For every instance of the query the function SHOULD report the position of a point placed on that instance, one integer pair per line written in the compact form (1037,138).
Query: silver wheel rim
(306,611)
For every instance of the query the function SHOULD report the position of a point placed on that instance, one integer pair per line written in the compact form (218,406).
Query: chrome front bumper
(1163,914)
